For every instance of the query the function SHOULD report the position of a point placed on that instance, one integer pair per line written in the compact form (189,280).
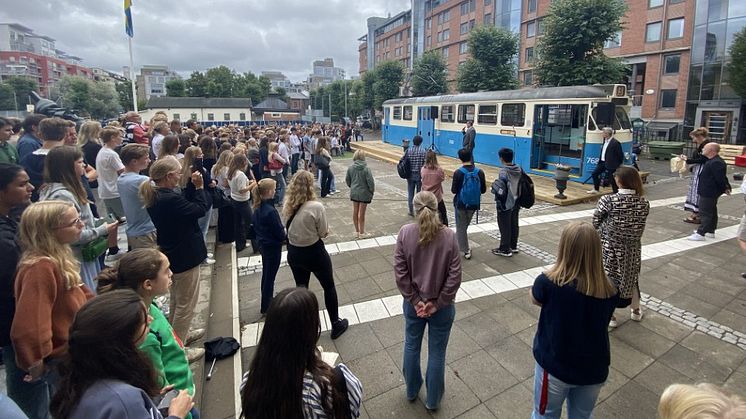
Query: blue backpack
(471,189)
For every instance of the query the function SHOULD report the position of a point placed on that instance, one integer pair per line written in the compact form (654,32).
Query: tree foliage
(223,82)
(737,66)
(88,98)
(571,50)
(196,84)
(389,76)
(332,97)
(124,95)
(429,74)
(15,91)
(176,88)
(491,66)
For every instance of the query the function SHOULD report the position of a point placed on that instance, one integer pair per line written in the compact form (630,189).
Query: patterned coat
(620,219)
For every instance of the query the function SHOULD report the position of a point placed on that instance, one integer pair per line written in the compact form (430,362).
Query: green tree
(571,50)
(75,93)
(429,74)
(7,99)
(737,66)
(22,87)
(491,66)
(104,101)
(265,86)
(196,85)
(176,88)
(388,78)
(124,95)
(220,81)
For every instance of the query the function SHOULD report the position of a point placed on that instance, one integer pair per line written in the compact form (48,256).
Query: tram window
(465,113)
(603,114)
(407,113)
(487,114)
(397,112)
(446,113)
(513,115)
(621,118)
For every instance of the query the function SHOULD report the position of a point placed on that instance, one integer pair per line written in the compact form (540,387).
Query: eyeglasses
(73,223)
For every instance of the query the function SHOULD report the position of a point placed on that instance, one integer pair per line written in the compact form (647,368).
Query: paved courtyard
(694,327)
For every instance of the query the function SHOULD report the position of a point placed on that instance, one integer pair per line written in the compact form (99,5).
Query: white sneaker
(208,261)
(708,235)
(635,316)
(210,255)
(467,254)
(613,323)
(696,238)
(592,192)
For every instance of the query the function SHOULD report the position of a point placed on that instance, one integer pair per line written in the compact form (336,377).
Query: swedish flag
(128,18)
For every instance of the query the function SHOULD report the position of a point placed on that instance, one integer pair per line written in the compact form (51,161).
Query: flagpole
(132,76)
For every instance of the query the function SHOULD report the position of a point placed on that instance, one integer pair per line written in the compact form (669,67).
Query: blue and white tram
(544,127)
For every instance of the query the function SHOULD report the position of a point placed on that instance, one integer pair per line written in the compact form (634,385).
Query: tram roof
(541,93)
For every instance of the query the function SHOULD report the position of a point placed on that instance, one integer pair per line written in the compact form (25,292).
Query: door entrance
(558,137)
(426,124)
(719,124)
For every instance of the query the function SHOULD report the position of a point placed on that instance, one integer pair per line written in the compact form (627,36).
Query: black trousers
(601,168)
(271,256)
(226,224)
(242,225)
(326,181)
(507,222)
(314,259)
(442,213)
(708,214)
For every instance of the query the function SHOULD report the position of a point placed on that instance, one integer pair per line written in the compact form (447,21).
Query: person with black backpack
(505,189)
(415,155)
(467,187)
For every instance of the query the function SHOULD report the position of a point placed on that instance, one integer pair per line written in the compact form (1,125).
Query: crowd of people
(65,194)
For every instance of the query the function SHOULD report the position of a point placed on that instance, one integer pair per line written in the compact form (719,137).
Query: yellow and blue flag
(128,18)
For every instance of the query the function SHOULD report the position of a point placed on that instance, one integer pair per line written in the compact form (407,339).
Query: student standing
(241,186)
(571,346)
(362,187)
(468,186)
(8,153)
(140,229)
(695,163)
(507,213)
(432,181)
(270,236)
(109,167)
(219,173)
(416,157)
(713,182)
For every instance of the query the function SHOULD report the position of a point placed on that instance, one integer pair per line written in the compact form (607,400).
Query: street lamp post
(345,84)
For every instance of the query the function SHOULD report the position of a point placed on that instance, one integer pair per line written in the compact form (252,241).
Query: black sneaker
(514,250)
(499,252)
(339,327)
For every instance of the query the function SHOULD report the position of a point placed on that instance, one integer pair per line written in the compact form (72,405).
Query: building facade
(151,82)
(324,73)
(26,54)
(207,111)
(278,80)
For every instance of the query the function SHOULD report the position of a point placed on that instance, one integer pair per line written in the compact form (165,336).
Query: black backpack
(404,167)
(526,196)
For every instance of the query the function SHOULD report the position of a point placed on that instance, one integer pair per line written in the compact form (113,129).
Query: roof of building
(295,95)
(564,92)
(272,104)
(198,102)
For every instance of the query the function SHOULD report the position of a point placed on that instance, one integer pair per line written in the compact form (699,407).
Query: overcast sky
(187,35)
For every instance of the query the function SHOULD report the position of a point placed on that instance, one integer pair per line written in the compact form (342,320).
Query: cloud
(245,35)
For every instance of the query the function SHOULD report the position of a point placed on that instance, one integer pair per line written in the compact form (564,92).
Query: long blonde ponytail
(426,208)
(158,171)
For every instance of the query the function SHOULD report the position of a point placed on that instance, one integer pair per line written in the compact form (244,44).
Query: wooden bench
(728,152)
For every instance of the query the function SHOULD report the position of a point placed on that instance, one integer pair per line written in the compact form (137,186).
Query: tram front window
(607,114)
(621,118)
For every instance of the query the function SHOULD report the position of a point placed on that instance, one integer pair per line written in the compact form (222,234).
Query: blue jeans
(294,162)
(580,399)
(204,223)
(279,188)
(33,398)
(439,329)
(414,185)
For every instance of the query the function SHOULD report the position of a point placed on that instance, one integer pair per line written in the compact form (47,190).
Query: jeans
(271,256)
(507,222)
(294,162)
(580,399)
(10,409)
(33,398)
(326,181)
(315,259)
(596,175)
(414,185)
(463,219)
(279,188)
(439,329)
(708,214)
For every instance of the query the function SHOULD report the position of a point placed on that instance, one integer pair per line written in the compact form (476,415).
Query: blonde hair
(426,209)
(263,187)
(109,133)
(703,401)
(89,133)
(239,163)
(186,164)
(322,143)
(158,171)
(224,160)
(359,155)
(700,132)
(579,259)
(160,125)
(272,147)
(299,191)
(36,233)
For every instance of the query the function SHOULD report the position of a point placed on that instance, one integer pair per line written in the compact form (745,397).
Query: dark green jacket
(361,183)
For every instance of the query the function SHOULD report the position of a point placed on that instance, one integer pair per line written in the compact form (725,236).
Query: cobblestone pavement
(694,302)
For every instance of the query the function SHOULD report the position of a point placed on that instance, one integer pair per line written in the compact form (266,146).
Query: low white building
(206,111)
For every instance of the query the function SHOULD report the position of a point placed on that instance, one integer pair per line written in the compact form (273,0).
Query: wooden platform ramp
(544,186)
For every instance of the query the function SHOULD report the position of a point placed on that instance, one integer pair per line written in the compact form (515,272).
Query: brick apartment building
(663,43)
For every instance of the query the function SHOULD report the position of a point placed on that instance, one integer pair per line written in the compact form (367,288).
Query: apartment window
(193,116)
(226,117)
(531,29)
(444,51)
(444,36)
(446,113)
(487,114)
(675,1)
(615,41)
(464,28)
(468,6)
(488,19)
(444,16)
(472,23)
(463,48)
(465,113)
(653,32)
(398,37)
(529,55)
(385,42)
(675,29)
(655,3)
(397,112)
(540,27)
(210,116)
(513,114)
(242,116)
(531,6)
(668,98)
(428,41)
(408,113)
(528,78)
(487,2)
(428,23)
(671,64)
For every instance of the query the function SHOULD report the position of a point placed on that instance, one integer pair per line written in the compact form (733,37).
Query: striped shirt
(312,406)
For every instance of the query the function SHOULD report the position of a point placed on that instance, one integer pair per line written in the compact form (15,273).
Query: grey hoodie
(513,171)
(110,399)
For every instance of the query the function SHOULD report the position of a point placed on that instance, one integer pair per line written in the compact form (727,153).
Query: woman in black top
(179,237)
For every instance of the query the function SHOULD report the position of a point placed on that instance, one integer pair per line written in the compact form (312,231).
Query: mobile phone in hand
(197,166)
(165,402)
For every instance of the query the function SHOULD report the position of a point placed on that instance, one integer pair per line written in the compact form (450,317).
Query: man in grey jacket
(507,218)
(470,135)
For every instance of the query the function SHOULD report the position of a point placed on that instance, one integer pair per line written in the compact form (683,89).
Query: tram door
(559,136)
(386,122)
(426,116)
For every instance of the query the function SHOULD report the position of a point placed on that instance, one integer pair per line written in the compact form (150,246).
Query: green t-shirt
(8,153)
(167,353)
